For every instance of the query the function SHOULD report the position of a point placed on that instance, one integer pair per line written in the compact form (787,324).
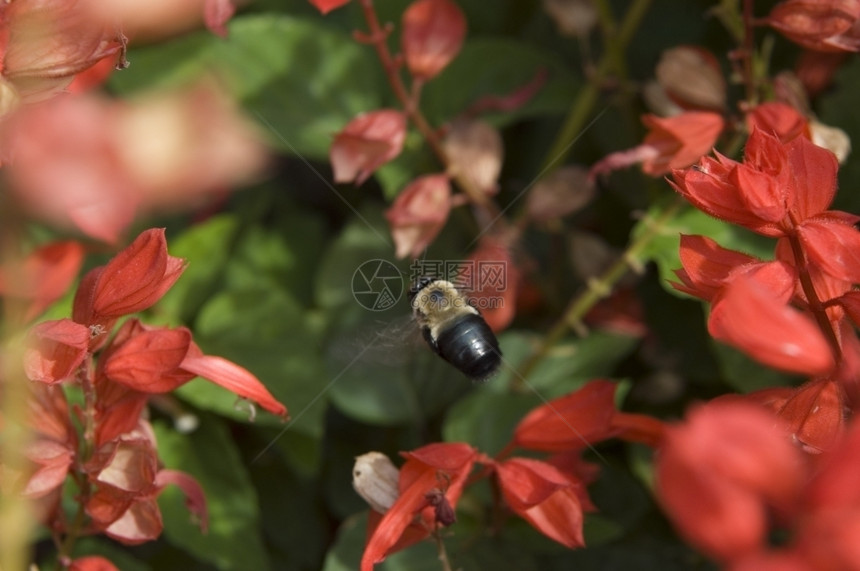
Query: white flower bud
(475,149)
(833,139)
(375,479)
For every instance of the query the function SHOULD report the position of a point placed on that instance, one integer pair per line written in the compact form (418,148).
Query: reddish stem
(812,299)
(378,37)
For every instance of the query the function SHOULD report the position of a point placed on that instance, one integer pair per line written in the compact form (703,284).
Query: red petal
(92,563)
(137,277)
(570,422)
(54,460)
(216,14)
(366,143)
(44,276)
(396,520)
(707,265)
(130,467)
(638,428)
(748,317)
(140,523)
(763,194)
(833,247)
(780,119)
(59,348)
(147,360)
(195,499)
(433,33)
(813,180)
(451,457)
(326,6)
(118,409)
(544,497)
(681,140)
(234,378)
(814,415)
(418,214)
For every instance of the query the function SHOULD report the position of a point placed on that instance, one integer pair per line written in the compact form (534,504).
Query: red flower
(155,360)
(543,496)
(823,25)
(90,163)
(418,214)
(707,266)
(59,347)
(366,143)
(46,42)
(428,471)
(671,143)
(433,33)
(720,471)
(326,6)
(132,281)
(749,317)
(776,189)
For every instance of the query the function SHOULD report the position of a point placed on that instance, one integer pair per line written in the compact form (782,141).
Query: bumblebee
(454,329)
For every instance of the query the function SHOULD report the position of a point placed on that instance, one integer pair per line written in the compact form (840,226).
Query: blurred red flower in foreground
(728,474)
(671,143)
(114,458)
(95,164)
(44,43)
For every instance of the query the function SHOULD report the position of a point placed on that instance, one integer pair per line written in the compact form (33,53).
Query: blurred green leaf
(568,364)
(485,419)
(663,248)
(303,79)
(209,455)
(497,67)
(207,248)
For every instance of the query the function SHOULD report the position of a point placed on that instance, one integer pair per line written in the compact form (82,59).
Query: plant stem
(812,299)
(612,60)
(16,517)
(598,288)
(378,36)
(441,551)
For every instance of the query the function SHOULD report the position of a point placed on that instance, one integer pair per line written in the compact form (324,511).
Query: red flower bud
(418,214)
(433,32)
(366,143)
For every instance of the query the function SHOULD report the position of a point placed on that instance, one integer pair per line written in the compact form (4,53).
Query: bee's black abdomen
(470,345)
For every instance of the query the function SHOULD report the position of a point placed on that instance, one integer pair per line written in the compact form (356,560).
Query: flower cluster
(107,447)
(795,312)
(549,494)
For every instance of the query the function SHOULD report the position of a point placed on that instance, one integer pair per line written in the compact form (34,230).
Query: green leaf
(485,419)
(498,67)
(568,364)
(206,248)
(663,247)
(303,79)
(209,455)
(267,332)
